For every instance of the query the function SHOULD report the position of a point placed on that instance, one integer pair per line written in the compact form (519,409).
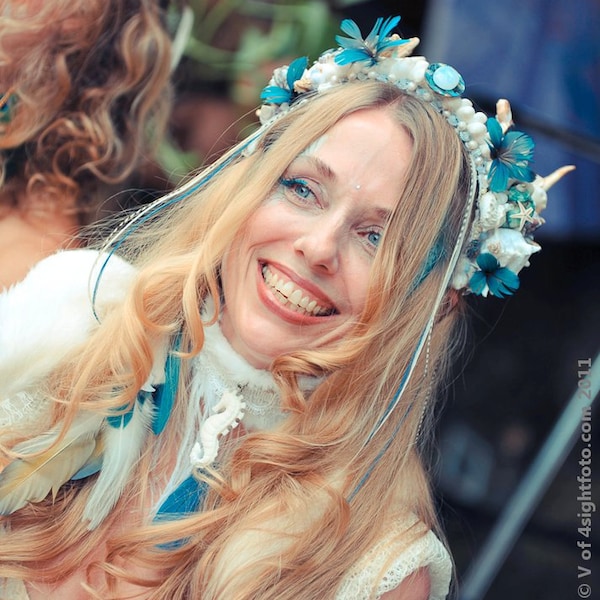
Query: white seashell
(410,69)
(321,73)
(504,114)
(462,273)
(280,77)
(417,73)
(407,48)
(548,181)
(266,113)
(539,195)
(510,248)
(492,212)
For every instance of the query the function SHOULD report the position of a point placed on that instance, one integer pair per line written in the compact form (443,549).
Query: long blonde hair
(88,83)
(290,510)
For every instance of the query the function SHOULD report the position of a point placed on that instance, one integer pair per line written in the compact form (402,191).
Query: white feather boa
(42,319)
(49,313)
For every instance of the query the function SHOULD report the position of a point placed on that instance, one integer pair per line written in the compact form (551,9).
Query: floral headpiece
(508,196)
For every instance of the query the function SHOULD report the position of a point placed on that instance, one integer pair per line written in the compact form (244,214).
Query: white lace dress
(218,367)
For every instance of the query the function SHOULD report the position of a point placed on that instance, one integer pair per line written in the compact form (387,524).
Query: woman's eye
(374,237)
(299,188)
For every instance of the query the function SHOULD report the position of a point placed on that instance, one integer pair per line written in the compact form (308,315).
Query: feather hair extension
(122,449)
(164,396)
(27,480)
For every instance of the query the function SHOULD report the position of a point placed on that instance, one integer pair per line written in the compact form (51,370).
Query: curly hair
(89,97)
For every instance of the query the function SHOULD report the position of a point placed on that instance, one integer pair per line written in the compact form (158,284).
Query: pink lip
(281,310)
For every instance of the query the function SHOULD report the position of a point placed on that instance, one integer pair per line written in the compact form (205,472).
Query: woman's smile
(297,275)
(294,297)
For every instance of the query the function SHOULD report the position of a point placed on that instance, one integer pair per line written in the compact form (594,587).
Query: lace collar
(222,369)
(219,369)
(224,390)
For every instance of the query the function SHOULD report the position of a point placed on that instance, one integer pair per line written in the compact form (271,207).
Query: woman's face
(296,277)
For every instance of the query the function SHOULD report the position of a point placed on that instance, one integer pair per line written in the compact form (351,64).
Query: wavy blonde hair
(90,97)
(292,509)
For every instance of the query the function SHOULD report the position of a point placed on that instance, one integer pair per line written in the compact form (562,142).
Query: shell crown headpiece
(508,196)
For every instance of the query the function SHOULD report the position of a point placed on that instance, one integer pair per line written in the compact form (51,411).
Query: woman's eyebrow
(323,169)
(384,214)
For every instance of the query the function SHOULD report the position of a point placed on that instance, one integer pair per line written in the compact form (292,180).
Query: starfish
(524,215)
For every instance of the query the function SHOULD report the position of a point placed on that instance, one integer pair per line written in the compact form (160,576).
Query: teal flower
(274,94)
(500,281)
(357,49)
(511,154)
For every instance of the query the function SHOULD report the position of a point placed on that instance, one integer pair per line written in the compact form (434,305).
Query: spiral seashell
(548,181)
(504,114)
(510,248)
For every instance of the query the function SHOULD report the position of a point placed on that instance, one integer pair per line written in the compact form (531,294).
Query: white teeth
(287,293)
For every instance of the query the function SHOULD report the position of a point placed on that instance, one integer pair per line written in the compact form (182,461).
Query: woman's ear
(449,303)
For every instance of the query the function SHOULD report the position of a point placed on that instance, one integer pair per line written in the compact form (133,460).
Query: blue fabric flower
(500,281)
(511,154)
(273,94)
(356,49)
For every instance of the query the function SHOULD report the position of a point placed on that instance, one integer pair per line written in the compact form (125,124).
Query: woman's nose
(320,247)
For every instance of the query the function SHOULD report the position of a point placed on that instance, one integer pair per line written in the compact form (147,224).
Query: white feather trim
(49,313)
(122,449)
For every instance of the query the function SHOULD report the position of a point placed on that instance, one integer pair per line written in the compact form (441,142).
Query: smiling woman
(231,398)
(297,275)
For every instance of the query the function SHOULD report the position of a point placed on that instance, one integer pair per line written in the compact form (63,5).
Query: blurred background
(524,354)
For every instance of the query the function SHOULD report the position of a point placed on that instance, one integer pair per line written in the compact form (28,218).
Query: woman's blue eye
(298,186)
(374,237)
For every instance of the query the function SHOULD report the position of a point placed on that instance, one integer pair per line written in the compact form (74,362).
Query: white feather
(122,449)
(49,313)
(32,479)
(85,423)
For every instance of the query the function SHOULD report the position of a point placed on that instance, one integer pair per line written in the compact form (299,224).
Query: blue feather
(185,500)
(164,397)
(89,469)
(121,419)
(295,71)
(273,94)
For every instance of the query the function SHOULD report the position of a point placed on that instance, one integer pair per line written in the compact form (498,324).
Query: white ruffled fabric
(50,312)
(387,564)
